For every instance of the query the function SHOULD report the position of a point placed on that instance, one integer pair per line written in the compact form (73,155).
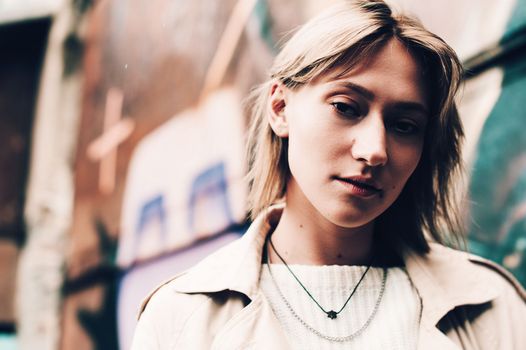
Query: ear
(276,109)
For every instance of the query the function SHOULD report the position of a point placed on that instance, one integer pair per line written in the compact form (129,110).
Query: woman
(354,144)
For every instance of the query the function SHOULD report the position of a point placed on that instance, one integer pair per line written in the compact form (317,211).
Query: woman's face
(353,141)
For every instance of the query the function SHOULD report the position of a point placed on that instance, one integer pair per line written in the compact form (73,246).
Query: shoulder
(163,315)
(192,306)
(487,272)
(499,273)
(166,297)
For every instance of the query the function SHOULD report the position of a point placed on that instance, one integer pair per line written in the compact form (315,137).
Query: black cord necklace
(330,314)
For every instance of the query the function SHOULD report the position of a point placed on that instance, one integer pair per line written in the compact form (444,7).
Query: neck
(301,238)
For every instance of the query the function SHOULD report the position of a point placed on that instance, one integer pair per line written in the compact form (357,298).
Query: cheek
(313,148)
(311,155)
(309,132)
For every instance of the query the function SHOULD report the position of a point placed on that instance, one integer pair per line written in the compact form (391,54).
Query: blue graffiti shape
(152,212)
(209,198)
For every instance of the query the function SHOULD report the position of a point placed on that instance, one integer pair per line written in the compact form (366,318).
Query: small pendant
(332,314)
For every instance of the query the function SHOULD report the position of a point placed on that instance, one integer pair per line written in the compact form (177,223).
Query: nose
(370,144)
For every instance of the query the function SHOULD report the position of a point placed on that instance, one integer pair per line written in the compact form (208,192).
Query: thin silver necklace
(329,313)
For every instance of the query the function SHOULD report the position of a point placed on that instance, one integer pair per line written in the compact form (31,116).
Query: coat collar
(235,267)
(444,278)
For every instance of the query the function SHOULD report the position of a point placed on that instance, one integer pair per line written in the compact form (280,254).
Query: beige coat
(467,303)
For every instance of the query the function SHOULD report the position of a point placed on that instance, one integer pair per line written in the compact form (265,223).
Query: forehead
(392,71)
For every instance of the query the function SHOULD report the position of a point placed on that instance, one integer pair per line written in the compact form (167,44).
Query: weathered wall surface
(169,181)
(498,172)
(147,140)
(159,162)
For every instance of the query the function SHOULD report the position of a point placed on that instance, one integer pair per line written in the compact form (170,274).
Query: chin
(350,220)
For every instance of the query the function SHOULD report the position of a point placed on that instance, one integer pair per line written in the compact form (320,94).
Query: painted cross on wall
(104,148)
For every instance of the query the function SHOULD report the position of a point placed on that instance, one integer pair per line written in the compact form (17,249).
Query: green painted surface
(498,186)
(8,342)
(265,24)
(518,18)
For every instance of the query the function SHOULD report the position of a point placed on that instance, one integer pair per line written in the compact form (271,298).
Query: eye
(405,127)
(347,110)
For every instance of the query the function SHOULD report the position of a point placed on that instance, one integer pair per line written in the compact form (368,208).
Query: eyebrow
(410,107)
(369,95)
(357,88)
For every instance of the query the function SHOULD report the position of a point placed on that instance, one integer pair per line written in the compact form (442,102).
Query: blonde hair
(336,41)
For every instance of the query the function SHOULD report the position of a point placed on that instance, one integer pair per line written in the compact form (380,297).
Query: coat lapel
(433,339)
(235,267)
(444,279)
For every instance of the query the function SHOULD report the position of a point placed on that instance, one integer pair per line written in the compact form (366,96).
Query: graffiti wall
(159,166)
(195,190)
(194,198)
(159,161)
(498,173)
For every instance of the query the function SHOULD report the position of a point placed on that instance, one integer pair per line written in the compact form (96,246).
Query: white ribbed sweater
(395,325)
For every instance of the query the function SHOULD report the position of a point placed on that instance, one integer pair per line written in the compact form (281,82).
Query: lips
(361,186)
